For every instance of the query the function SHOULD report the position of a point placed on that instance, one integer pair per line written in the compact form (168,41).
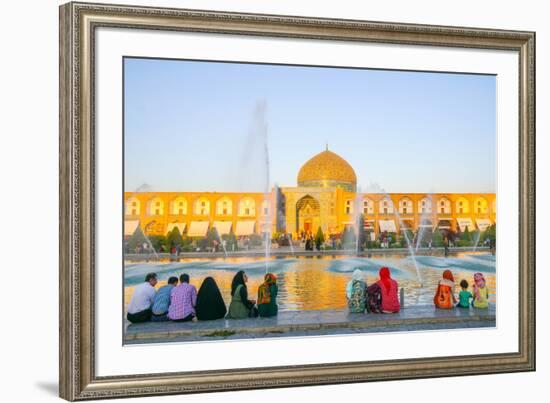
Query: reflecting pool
(319,282)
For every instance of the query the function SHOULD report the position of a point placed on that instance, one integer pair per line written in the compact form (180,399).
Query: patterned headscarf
(479,280)
(264,294)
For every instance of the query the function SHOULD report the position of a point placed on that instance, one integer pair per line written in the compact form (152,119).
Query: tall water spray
(357,211)
(221,242)
(425,216)
(410,247)
(259,131)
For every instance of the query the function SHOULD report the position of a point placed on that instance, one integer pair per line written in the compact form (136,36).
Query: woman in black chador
(210,303)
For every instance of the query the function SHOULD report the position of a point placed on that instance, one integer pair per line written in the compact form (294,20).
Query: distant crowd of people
(179,300)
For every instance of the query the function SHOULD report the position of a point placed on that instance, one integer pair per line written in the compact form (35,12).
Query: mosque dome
(327,169)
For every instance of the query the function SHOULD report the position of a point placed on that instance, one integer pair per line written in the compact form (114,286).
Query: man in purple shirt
(182,301)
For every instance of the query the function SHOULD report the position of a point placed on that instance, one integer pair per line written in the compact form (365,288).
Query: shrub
(174,238)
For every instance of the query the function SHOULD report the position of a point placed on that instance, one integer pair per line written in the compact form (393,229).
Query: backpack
(357,300)
(374,299)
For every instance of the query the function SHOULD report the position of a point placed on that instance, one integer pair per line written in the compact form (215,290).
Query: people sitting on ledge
(210,304)
(183,300)
(444,297)
(267,296)
(182,303)
(139,308)
(388,292)
(241,307)
(356,292)
(161,303)
(481,292)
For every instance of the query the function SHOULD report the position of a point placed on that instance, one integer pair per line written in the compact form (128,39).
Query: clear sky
(193,126)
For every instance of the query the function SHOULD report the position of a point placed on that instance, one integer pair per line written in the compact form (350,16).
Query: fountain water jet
(425,215)
(221,243)
(409,242)
(476,242)
(356,216)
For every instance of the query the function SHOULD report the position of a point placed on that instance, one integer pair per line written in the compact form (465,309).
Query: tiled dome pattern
(326,167)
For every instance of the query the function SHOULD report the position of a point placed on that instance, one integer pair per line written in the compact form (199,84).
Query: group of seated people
(380,297)
(179,300)
(444,297)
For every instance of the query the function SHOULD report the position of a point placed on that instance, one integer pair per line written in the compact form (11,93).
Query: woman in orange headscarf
(444,297)
(388,290)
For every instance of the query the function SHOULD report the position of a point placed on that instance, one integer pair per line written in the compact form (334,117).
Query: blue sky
(190,126)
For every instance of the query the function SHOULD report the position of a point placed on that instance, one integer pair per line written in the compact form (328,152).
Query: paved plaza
(305,323)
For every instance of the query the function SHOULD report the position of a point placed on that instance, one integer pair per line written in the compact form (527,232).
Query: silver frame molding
(78,22)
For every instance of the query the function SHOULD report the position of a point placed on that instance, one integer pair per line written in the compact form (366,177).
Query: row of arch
(424,206)
(246,207)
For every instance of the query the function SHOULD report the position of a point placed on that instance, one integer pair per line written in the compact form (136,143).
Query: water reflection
(314,283)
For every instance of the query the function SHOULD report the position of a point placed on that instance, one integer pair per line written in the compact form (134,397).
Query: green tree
(174,238)
(211,236)
(437,238)
(465,235)
(137,238)
(159,243)
(230,241)
(489,233)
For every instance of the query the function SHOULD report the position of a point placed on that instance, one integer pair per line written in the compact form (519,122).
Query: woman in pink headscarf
(389,288)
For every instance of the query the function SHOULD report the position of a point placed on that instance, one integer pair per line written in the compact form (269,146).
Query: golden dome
(327,169)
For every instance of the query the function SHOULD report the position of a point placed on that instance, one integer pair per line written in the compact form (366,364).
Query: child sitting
(481,292)
(444,297)
(464,295)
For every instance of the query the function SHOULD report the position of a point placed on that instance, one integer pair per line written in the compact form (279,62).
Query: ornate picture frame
(78,24)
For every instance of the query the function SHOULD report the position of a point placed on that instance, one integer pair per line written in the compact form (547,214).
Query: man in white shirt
(139,308)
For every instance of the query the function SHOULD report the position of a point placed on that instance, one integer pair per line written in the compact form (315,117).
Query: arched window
(368,206)
(202,206)
(385,206)
(462,206)
(349,206)
(133,206)
(444,206)
(155,206)
(247,207)
(178,206)
(425,206)
(480,206)
(405,206)
(224,206)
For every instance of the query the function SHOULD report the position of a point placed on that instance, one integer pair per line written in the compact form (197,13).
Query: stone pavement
(301,323)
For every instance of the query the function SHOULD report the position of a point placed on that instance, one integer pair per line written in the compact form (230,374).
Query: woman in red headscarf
(444,297)
(389,288)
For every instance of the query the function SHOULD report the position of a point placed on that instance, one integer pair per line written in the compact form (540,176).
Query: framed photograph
(256,201)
